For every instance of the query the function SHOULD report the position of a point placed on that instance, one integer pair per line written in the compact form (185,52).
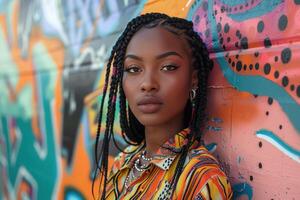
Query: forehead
(157,39)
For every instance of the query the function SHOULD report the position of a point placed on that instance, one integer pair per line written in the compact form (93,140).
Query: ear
(195,78)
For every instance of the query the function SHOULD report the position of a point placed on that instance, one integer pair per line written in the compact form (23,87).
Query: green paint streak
(1,164)
(9,78)
(44,170)
(22,107)
(9,19)
(45,64)
(7,66)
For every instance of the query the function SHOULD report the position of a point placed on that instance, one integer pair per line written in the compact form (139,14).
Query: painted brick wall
(52,54)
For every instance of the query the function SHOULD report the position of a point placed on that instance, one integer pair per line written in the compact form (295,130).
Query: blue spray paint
(242,189)
(279,144)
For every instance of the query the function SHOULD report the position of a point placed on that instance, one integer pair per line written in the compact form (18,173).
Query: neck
(156,136)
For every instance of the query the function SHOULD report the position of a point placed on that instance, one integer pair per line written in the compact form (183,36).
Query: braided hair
(132,130)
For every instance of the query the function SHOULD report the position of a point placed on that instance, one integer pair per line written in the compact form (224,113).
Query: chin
(150,120)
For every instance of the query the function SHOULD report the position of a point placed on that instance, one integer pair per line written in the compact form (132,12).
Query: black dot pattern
(285,81)
(167,163)
(282,23)
(298,91)
(239,66)
(267,68)
(267,42)
(226,28)
(238,34)
(166,192)
(251,178)
(204,5)
(230,36)
(286,55)
(233,64)
(207,32)
(244,43)
(219,27)
(198,197)
(270,101)
(260,26)
(236,44)
(276,74)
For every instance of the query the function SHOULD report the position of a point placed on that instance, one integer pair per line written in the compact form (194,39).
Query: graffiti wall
(51,58)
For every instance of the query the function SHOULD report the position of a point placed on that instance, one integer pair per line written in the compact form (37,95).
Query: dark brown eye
(133,69)
(169,68)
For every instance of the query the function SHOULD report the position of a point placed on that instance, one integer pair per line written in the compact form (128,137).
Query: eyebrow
(166,54)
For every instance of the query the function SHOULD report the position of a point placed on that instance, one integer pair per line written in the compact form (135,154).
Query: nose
(149,82)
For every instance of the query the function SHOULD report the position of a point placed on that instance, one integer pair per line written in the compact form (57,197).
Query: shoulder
(201,153)
(203,176)
(200,158)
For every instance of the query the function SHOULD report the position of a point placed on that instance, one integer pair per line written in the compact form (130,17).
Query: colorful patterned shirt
(201,178)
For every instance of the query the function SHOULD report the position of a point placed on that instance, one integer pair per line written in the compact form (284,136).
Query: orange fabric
(201,178)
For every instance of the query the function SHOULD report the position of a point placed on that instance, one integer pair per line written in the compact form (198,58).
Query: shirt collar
(166,154)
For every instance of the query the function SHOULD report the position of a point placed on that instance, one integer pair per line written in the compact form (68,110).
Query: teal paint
(73,194)
(211,147)
(2,164)
(232,3)
(43,63)
(9,77)
(262,87)
(259,10)
(279,144)
(35,161)
(211,21)
(22,107)
(7,65)
(257,84)
(242,189)
(251,83)
(193,9)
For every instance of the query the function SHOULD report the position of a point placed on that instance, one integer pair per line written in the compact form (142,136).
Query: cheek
(178,87)
(179,96)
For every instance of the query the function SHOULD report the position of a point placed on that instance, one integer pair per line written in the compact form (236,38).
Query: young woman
(158,72)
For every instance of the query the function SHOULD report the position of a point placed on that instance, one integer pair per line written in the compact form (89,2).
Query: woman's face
(158,76)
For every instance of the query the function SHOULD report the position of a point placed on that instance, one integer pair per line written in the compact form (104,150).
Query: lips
(150,104)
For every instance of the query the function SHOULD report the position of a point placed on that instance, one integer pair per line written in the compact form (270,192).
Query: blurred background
(52,56)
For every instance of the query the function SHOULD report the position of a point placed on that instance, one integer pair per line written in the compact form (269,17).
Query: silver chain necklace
(144,157)
(138,166)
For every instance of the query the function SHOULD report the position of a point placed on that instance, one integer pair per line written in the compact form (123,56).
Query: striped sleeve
(203,183)
(212,184)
